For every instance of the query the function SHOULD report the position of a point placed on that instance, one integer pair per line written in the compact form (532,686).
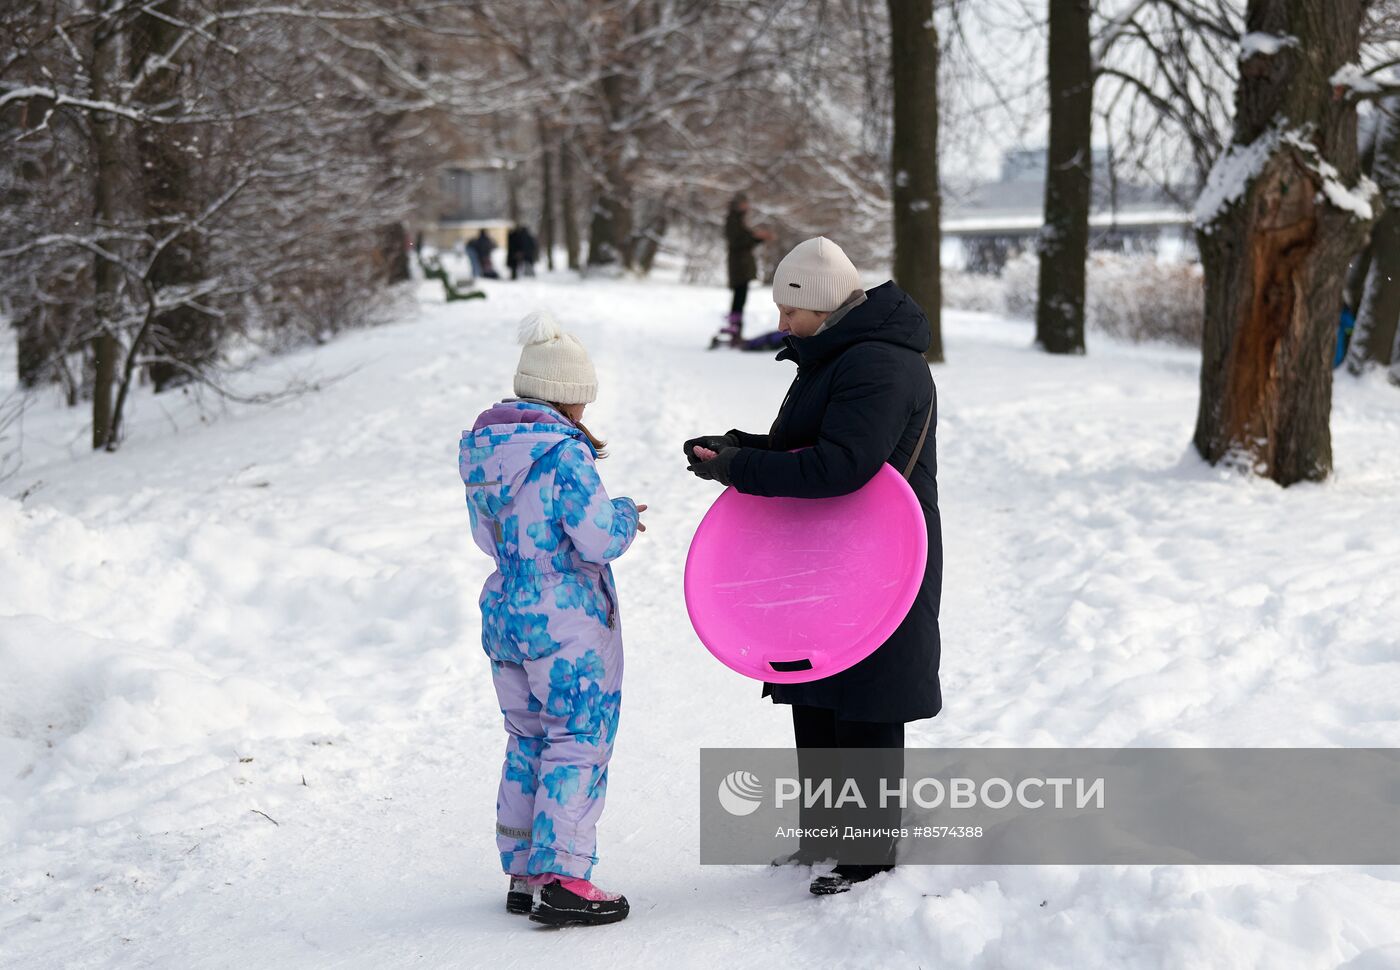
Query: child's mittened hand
(640,510)
(704,454)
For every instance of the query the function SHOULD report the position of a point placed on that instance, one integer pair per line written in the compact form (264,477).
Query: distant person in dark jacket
(484,246)
(521,252)
(743,267)
(863,396)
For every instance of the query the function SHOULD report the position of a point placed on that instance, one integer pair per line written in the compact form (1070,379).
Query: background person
(521,252)
(740,240)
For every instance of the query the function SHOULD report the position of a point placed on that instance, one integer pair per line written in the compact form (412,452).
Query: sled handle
(789,663)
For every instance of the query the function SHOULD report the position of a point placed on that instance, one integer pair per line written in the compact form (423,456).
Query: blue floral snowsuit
(549,624)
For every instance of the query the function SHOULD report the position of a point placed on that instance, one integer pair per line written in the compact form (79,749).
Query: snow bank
(97,727)
(1130,297)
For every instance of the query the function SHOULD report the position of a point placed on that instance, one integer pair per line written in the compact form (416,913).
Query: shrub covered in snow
(1132,297)
(973,291)
(1139,299)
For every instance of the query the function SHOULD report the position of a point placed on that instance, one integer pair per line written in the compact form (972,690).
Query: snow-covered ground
(245,720)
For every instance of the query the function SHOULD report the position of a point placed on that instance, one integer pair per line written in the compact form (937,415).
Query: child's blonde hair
(599,445)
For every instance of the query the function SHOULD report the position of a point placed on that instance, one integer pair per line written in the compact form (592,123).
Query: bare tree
(209,170)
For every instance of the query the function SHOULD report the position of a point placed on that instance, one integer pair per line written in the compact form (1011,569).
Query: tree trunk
(610,226)
(513,194)
(914,159)
(106,348)
(1277,224)
(1361,263)
(1373,340)
(568,208)
(1069,171)
(1395,361)
(648,243)
(32,364)
(31,352)
(393,252)
(608,229)
(546,193)
(184,334)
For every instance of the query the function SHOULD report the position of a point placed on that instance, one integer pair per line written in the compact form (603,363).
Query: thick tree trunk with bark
(648,241)
(1374,338)
(1280,218)
(1361,263)
(32,355)
(31,351)
(568,207)
(1395,361)
(546,191)
(1064,240)
(106,347)
(393,252)
(184,335)
(608,229)
(914,158)
(610,225)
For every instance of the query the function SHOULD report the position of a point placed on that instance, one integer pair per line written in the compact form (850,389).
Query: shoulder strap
(918,448)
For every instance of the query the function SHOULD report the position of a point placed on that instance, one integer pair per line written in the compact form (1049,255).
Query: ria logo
(740,793)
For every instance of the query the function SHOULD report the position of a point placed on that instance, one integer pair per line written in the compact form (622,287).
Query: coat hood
(507,439)
(888,315)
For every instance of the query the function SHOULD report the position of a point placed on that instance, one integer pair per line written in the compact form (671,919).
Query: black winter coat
(859,400)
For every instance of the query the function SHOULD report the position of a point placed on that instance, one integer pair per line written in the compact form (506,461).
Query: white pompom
(539,327)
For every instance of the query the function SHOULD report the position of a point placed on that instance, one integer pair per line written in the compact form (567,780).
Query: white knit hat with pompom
(553,365)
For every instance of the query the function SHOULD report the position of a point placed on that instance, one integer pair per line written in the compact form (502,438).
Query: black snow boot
(843,879)
(519,897)
(577,902)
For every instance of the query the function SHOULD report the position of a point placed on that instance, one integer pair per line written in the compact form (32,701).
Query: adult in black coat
(740,241)
(863,396)
(521,252)
(483,245)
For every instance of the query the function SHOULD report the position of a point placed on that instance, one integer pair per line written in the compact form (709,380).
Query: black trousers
(741,295)
(819,727)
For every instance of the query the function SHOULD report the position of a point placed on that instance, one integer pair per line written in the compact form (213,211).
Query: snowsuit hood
(497,459)
(537,505)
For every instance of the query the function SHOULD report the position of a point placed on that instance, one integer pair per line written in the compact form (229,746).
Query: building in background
(470,196)
(988,223)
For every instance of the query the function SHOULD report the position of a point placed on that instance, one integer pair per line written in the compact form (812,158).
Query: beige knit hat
(553,364)
(816,275)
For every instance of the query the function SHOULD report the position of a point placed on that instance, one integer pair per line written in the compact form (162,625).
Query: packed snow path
(245,719)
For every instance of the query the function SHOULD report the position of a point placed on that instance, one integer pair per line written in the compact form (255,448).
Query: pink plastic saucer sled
(789,590)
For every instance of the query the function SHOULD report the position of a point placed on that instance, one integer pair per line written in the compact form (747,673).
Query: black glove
(710,441)
(717,468)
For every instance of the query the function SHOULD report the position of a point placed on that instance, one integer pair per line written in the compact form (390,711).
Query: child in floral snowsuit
(549,622)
